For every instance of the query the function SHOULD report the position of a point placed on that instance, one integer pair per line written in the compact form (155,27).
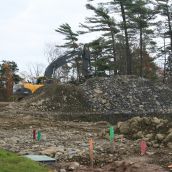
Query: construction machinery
(26,88)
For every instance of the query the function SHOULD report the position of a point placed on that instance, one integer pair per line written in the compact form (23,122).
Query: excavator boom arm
(60,62)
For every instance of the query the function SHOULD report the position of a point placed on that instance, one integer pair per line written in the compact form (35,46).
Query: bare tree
(52,52)
(35,70)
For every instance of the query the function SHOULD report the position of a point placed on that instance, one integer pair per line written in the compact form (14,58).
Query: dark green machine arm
(60,62)
(86,68)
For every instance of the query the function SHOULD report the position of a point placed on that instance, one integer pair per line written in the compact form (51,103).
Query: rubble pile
(157,132)
(58,98)
(116,95)
(128,95)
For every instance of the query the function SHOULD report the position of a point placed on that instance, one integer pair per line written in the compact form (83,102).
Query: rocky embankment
(116,95)
(128,95)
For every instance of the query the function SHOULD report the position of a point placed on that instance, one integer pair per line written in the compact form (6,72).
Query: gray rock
(139,135)
(155,120)
(123,127)
(14,140)
(156,145)
(169,145)
(2,142)
(170,130)
(168,138)
(160,137)
(98,91)
(51,151)
(149,136)
(73,166)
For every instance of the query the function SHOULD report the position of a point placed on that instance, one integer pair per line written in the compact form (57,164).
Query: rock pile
(127,95)
(117,95)
(157,132)
(59,98)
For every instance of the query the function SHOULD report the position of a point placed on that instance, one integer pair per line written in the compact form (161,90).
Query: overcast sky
(26,26)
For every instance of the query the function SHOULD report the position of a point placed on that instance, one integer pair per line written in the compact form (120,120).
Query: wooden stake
(143,147)
(34,134)
(91,148)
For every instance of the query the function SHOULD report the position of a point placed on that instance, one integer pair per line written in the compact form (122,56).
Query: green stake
(112,134)
(39,136)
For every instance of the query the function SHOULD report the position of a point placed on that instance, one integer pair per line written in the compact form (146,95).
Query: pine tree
(149,66)
(70,36)
(71,43)
(123,7)
(102,22)
(96,50)
(141,16)
(100,50)
(164,7)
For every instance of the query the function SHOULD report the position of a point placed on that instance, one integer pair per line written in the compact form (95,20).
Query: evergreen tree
(141,15)
(164,7)
(102,22)
(100,57)
(13,68)
(70,36)
(149,66)
(71,43)
(123,6)
(8,76)
(96,50)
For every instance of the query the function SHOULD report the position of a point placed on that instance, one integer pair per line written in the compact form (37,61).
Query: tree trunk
(165,61)
(141,53)
(169,25)
(77,69)
(170,32)
(95,60)
(128,53)
(114,50)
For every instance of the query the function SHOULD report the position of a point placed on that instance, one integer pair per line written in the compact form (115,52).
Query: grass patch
(10,162)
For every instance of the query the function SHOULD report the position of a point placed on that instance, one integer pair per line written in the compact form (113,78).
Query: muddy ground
(67,142)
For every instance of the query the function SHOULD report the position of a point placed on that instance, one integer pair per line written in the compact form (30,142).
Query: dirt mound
(59,97)
(115,95)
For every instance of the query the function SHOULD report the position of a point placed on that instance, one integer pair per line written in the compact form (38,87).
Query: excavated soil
(67,141)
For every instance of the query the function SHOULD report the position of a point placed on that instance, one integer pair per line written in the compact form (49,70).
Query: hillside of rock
(128,95)
(119,94)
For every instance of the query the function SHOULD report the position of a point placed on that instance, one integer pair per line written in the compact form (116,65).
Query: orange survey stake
(91,147)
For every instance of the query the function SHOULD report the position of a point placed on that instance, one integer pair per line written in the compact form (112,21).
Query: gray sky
(26,26)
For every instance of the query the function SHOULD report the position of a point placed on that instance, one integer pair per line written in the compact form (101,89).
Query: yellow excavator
(25,88)
(32,87)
